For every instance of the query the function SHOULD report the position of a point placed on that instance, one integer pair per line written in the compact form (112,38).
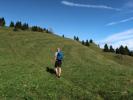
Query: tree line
(124,50)
(23,26)
(85,43)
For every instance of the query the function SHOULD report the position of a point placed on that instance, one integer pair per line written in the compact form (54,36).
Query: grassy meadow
(87,72)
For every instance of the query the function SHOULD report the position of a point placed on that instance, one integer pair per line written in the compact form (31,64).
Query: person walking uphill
(58,62)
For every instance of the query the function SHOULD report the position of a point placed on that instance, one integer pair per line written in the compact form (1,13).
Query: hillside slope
(88,73)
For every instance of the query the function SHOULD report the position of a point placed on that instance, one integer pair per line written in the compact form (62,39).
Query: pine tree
(106,49)
(91,41)
(44,29)
(18,25)
(111,49)
(34,28)
(2,22)
(47,31)
(11,24)
(25,26)
(38,29)
(122,50)
(74,38)
(87,43)
(77,38)
(63,36)
(117,51)
(83,43)
(127,52)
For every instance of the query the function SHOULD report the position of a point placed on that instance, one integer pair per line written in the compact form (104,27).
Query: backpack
(59,56)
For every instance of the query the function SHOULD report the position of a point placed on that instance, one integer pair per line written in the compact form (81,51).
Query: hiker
(58,62)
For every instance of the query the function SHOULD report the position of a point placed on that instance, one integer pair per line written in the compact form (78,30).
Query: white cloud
(120,36)
(117,39)
(128,42)
(122,21)
(67,3)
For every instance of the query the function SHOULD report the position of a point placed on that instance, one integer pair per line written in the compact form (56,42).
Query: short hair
(58,49)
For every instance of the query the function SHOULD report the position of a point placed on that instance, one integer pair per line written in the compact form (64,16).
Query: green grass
(88,73)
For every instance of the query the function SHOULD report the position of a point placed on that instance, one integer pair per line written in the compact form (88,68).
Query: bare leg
(59,71)
(56,71)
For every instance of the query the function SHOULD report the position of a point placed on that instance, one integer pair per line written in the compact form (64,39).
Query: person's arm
(55,56)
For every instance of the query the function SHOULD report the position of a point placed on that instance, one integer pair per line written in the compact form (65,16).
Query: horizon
(103,21)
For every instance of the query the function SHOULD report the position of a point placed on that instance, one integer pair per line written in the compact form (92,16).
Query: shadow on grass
(50,70)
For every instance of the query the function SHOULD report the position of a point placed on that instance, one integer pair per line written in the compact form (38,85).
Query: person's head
(58,49)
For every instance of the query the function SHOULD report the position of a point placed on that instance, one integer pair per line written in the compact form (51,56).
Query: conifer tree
(87,43)
(111,49)
(11,24)
(106,49)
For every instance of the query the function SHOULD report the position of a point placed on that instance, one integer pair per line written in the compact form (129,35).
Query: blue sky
(105,21)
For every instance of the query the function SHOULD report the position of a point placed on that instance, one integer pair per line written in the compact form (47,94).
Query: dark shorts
(58,63)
